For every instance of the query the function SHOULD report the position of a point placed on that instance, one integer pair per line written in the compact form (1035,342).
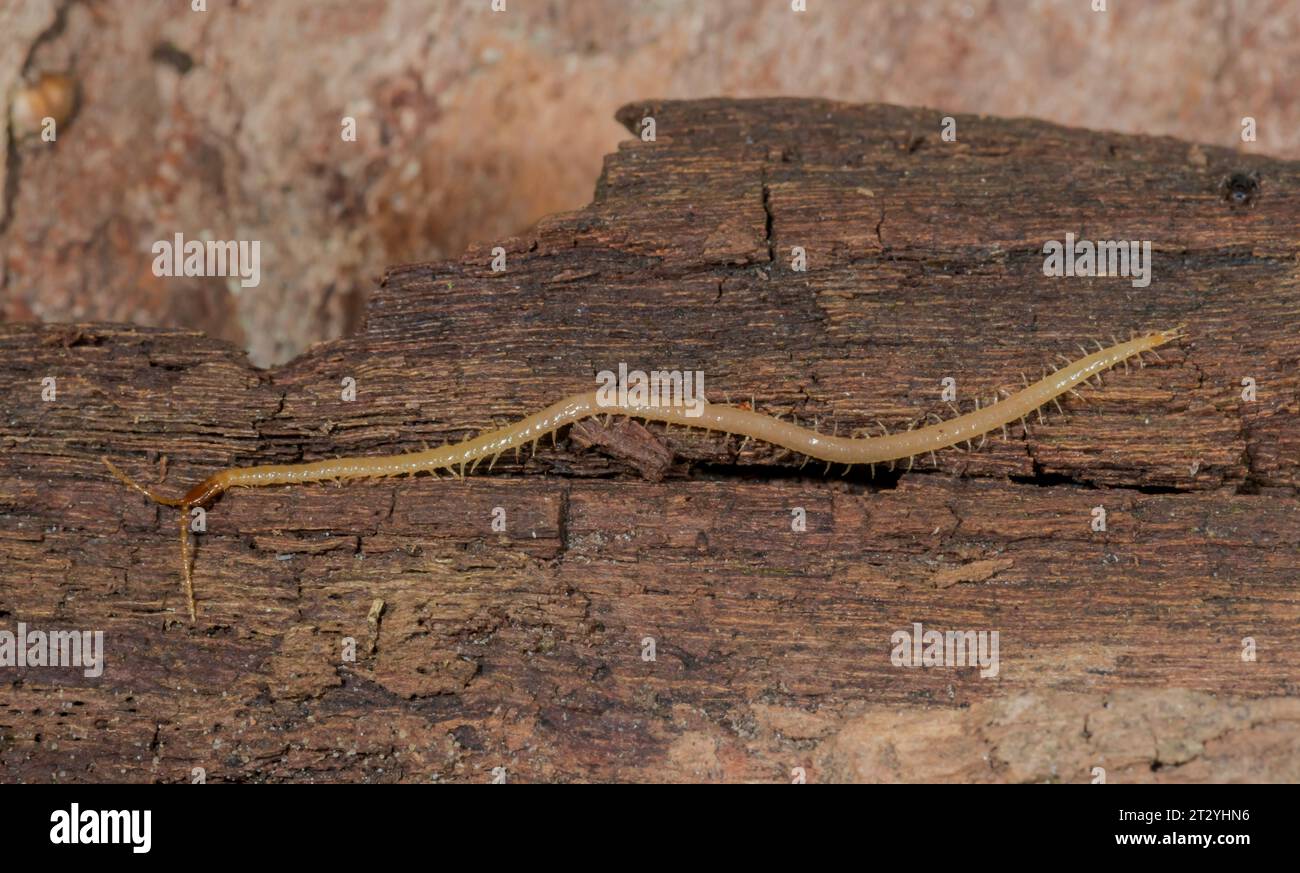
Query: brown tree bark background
(522,649)
(472,125)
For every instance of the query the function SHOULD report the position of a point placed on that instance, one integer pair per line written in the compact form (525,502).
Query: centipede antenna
(187,571)
(140,489)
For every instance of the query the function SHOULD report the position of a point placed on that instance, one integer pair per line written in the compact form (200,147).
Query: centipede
(463,458)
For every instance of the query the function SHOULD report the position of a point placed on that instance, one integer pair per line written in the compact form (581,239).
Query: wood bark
(523,649)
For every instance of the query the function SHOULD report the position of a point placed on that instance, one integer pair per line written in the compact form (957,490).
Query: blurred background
(472,124)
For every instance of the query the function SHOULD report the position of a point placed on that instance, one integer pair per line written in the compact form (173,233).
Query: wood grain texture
(522,648)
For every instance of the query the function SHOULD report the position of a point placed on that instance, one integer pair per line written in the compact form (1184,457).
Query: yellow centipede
(460,458)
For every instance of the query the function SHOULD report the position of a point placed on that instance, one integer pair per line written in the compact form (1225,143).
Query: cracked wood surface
(521,649)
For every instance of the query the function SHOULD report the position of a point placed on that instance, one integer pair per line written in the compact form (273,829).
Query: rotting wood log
(479,648)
